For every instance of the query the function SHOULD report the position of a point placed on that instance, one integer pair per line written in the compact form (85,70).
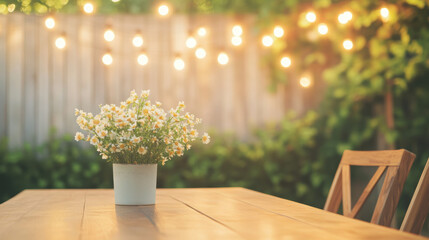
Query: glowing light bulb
(384,13)
(310,16)
(278,31)
(109,35)
(115,1)
(60,42)
(285,62)
(237,30)
(50,22)
(267,41)
(138,40)
(345,17)
(222,58)
(236,40)
(142,59)
(163,10)
(202,31)
(348,44)
(179,64)
(88,8)
(200,53)
(107,59)
(191,42)
(322,29)
(348,15)
(305,82)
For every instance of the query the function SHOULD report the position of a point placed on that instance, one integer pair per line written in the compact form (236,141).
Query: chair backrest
(419,205)
(396,164)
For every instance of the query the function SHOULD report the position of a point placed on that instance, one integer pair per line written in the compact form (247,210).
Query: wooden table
(216,213)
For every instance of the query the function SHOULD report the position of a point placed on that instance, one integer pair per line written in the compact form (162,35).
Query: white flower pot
(134,184)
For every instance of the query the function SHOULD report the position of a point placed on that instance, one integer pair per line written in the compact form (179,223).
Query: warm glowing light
(142,59)
(310,16)
(322,29)
(179,64)
(384,13)
(109,35)
(163,10)
(60,42)
(348,15)
(200,53)
(138,40)
(278,31)
(237,30)
(236,40)
(107,59)
(115,0)
(191,42)
(267,41)
(50,22)
(345,17)
(11,7)
(348,44)
(305,82)
(222,58)
(88,8)
(286,62)
(202,31)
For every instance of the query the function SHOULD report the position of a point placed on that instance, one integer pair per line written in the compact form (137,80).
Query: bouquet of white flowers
(138,132)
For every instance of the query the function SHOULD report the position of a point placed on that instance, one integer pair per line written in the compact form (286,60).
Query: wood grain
(419,205)
(216,213)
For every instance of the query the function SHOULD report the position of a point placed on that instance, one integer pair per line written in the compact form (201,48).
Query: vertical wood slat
(231,97)
(3,78)
(347,199)
(15,70)
(30,46)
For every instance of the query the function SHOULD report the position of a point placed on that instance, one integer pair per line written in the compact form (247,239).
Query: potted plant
(136,136)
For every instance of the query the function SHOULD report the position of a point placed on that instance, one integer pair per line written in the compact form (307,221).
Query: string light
(200,53)
(107,59)
(236,40)
(11,7)
(191,42)
(163,10)
(267,41)
(305,81)
(60,42)
(237,30)
(202,31)
(115,1)
(138,40)
(384,13)
(285,62)
(278,31)
(222,58)
(179,64)
(109,35)
(88,8)
(348,44)
(50,22)
(322,29)
(345,17)
(142,59)
(310,17)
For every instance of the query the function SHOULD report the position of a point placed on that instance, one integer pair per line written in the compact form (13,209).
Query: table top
(189,213)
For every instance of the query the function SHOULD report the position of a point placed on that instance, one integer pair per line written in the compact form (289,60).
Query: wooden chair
(396,164)
(419,205)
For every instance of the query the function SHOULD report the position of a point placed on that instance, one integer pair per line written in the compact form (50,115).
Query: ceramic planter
(134,184)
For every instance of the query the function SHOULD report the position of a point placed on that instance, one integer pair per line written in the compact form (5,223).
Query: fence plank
(3,77)
(15,65)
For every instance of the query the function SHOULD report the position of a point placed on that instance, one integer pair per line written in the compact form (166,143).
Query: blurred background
(284,87)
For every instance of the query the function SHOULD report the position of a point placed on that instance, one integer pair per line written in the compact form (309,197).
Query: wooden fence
(41,85)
